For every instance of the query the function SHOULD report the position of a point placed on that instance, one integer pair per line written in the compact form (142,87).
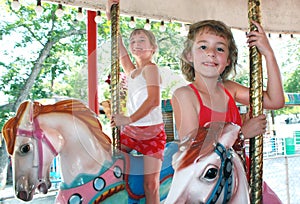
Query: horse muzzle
(23,190)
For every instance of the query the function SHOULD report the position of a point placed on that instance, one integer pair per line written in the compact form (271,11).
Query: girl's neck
(142,63)
(206,85)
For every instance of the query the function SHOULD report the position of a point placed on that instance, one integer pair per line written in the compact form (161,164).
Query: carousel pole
(256,108)
(115,75)
(92,62)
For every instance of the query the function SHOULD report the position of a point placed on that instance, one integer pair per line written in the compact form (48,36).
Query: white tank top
(137,94)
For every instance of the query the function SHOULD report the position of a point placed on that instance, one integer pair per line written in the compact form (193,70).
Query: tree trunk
(39,65)
(33,75)
(3,165)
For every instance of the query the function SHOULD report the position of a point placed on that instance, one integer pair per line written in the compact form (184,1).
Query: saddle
(114,178)
(135,178)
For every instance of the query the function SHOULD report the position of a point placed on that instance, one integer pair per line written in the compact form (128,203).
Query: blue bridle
(225,176)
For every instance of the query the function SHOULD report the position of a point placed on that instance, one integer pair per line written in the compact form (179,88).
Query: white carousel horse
(90,174)
(207,170)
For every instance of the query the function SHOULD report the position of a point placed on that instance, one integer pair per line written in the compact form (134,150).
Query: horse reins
(39,135)
(225,176)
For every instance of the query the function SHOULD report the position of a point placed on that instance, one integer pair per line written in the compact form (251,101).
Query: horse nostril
(23,195)
(43,188)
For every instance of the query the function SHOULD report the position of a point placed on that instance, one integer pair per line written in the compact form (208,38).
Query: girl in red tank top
(209,57)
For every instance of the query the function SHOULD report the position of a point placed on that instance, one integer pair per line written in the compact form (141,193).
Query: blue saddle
(135,179)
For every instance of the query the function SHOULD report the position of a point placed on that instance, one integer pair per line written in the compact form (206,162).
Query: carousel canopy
(278,16)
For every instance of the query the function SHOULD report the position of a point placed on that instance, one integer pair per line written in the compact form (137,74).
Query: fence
(281,166)
(282,175)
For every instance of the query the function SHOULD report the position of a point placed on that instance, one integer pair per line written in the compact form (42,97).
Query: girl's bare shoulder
(231,86)
(239,92)
(150,69)
(183,92)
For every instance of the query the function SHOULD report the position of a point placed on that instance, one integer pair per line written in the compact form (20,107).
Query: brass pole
(115,75)
(256,108)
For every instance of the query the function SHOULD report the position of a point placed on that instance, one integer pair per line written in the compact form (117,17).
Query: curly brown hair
(215,27)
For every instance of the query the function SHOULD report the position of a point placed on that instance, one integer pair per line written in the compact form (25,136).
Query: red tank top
(207,115)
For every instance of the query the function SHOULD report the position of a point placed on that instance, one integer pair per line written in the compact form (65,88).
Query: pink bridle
(39,135)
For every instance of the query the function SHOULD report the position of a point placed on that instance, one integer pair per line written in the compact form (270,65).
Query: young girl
(144,127)
(209,56)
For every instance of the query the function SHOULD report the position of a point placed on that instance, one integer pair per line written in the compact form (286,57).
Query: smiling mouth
(210,64)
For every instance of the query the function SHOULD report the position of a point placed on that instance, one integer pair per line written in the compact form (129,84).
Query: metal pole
(115,74)
(256,108)
(287,179)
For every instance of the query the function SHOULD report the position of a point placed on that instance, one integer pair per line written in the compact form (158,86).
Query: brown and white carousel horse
(90,173)
(208,170)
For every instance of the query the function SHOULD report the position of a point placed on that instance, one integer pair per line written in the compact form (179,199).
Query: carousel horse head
(39,133)
(207,170)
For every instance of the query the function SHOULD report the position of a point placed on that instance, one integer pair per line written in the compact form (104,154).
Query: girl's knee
(151,185)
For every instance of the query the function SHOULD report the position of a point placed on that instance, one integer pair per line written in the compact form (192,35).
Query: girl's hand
(119,120)
(259,39)
(108,7)
(254,126)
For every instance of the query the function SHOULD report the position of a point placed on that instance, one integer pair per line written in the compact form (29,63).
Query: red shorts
(148,140)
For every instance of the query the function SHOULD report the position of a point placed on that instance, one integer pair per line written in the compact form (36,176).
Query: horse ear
(9,134)
(229,135)
(25,120)
(9,129)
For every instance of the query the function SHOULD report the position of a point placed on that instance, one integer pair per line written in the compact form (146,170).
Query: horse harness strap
(225,176)
(39,135)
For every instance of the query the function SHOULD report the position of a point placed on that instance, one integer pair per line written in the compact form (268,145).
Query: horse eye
(211,173)
(25,148)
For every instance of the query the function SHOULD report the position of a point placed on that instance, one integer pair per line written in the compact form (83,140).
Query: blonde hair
(215,27)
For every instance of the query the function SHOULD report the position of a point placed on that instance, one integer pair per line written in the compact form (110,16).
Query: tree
(25,75)
(292,84)
(51,53)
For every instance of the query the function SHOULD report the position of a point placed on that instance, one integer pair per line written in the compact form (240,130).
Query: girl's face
(140,45)
(209,54)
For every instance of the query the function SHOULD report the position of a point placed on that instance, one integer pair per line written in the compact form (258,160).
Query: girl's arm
(254,126)
(108,7)
(152,77)
(273,96)
(125,60)
(185,109)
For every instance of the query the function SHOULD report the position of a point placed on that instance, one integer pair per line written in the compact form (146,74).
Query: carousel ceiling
(278,16)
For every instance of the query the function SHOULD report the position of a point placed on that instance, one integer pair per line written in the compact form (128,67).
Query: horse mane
(70,106)
(9,130)
(198,147)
